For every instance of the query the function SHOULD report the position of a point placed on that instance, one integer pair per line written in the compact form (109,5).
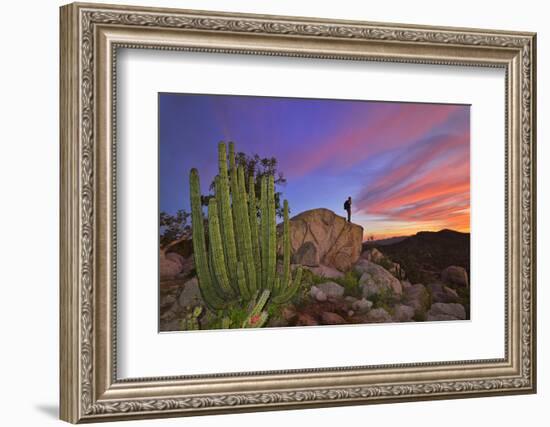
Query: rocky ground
(343,283)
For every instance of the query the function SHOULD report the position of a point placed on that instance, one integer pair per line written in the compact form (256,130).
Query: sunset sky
(405,165)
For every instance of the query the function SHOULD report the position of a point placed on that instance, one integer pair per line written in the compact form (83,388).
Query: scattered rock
(168,316)
(405,284)
(325,271)
(349,299)
(338,243)
(376,279)
(351,313)
(331,289)
(190,295)
(173,256)
(362,265)
(305,319)
(320,296)
(441,311)
(329,318)
(403,313)
(168,268)
(378,315)
(455,275)
(362,306)
(442,293)
(289,313)
(306,255)
(373,255)
(451,291)
(417,297)
(167,301)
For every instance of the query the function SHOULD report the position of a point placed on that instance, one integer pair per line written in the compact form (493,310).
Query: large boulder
(190,296)
(403,313)
(442,293)
(169,268)
(337,242)
(306,255)
(376,279)
(455,276)
(441,311)
(331,289)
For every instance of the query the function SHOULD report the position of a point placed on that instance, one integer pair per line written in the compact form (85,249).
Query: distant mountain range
(426,253)
(388,241)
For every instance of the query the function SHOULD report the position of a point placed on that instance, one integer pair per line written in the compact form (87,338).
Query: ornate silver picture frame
(91,35)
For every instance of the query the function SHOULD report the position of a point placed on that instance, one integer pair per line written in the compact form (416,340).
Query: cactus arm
(264,231)
(271,233)
(289,292)
(218,260)
(257,321)
(209,296)
(237,221)
(241,281)
(287,277)
(257,317)
(226,218)
(254,235)
(248,254)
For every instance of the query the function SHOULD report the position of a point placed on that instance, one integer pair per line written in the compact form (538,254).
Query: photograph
(279,212)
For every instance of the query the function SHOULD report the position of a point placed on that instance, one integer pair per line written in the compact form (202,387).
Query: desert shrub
(385,299)
(419,316)
(350,282)
(386,263)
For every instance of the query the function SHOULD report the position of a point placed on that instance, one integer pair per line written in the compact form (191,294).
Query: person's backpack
(346,205)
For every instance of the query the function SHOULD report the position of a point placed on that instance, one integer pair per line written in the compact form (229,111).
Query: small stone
(351,313)
(313,291)
(403,313)
(329,318)
(362,306)
(168,300)
(289,313)
(331,289)
(306,320)
(378,315)
(320,296)
(441,311)
(455,275)
(168,316)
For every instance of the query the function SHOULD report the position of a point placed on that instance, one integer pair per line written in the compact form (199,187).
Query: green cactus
(191,320)
(257,317)
(209,296)
(241,261)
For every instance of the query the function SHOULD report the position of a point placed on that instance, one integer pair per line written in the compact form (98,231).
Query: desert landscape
(323,272)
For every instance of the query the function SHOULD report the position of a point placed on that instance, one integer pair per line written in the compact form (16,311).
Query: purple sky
(406,165)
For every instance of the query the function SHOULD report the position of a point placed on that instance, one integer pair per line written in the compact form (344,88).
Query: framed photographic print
(264,212)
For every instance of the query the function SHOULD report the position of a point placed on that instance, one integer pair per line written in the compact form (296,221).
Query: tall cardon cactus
(240,262)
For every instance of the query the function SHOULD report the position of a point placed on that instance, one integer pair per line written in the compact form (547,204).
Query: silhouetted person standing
(347,207)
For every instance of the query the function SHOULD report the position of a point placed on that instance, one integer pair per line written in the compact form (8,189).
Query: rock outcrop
(455,275)
(376,279)
(320,234)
